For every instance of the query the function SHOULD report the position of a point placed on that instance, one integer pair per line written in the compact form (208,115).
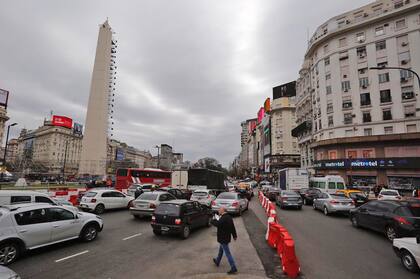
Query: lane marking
(72,256)
(134,235)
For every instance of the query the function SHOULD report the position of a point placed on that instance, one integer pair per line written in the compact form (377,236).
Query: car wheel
(326,211)
(9,252)
(300,207)
(354,222)
(408,261)
(157,232)
(185,232)
(313,206)
(89,233)
(99,209)
(390,233)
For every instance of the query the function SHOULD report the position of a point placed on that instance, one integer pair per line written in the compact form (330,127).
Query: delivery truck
(199,178)
(179,179)
(293,179)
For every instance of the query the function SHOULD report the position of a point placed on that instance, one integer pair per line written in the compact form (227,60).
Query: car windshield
(148,196)
(389,193)
(90,194)
(357,195)
(200,194)
(227,196)
(288,193)
(168,209)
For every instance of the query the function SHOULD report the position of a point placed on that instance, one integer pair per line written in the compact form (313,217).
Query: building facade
(12,150)
(344,107)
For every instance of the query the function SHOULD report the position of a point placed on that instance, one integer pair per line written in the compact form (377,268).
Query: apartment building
(355,121)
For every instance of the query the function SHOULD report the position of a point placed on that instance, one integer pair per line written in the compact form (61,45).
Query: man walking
(225,229)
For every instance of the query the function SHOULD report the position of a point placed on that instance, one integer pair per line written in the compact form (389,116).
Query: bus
(127,176)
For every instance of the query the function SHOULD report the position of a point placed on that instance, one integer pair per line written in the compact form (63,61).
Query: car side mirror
(418,239)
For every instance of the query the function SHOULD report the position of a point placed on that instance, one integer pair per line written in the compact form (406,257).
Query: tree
(210,163)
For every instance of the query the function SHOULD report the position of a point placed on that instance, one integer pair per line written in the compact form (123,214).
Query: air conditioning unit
(404,62)
(404,44)
(365,14)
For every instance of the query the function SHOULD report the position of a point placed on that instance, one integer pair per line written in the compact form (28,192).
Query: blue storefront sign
(376,163)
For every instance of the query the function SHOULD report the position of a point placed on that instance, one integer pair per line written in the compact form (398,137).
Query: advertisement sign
(119,154)
(251,126)
(77,128)
(4,97)
(377,163)
(267,105)
(260,115)
(284,90)
(62,121)
(267,164)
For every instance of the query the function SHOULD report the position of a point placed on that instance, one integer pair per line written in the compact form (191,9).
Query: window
(59,214)
(348,118)
(379,31)
(117,195)
(347,104)
(349,133)
(404,57)
(18,199)
(365,99)
(399,24)
(366,117)
(343,56)
(331,185)
(367,131)
(386,114)
(407,93)
(383,77)
(385,96)
(351,154)
(360,37)
(342,42)
(409,111)
(367,153)
(382,64)
(364,82)
(411,128)
(380,45)
(330,121)
(361,52)
(107,195)
(345,85)
(332,155)
(31,217)
(398,4)
(43,199)
(330,108)
(362,71)
(388,130)
(405,75)
(327,61)
(328,76)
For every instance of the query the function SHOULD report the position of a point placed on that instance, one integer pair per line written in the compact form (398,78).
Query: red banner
(62,121)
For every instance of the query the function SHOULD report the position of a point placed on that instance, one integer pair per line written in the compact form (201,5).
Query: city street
(329,247)
(127,248)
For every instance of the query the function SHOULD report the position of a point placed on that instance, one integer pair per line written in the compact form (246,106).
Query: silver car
(234,203)
(333,203)
(7,273)
(289,199)
(147,202)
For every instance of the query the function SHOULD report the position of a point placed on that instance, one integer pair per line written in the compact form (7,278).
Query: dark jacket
(225,228)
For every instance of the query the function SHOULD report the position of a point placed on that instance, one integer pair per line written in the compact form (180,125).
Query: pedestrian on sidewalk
(225,230)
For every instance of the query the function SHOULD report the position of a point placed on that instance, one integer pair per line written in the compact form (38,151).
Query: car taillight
(178,221)
(334,201)
(208,196)
(153,219)
(152,205)
(402,220)
(93,200)
(235,204)
(213,203)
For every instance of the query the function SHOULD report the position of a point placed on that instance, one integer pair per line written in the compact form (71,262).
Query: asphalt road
(329,247)
(127,248)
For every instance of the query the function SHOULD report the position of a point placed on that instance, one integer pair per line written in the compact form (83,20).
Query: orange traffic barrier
(61,193)
(270,221)
(274,234)
(289,260)
(284,236)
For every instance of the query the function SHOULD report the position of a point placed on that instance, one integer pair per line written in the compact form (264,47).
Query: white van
(8,197)
(328,183)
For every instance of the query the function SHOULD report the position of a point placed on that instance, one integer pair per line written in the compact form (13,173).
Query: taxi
(359,197)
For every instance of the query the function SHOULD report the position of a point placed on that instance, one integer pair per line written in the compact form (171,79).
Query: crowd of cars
(394,216)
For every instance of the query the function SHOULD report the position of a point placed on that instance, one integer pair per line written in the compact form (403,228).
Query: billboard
(267,165)
(284,90)
(252,124)
(119,154)
(267,105)
(62,121)
(77,128)
(260,115)
(4,97)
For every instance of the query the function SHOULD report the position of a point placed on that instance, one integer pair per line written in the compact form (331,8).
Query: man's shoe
(215,262)
(232,271)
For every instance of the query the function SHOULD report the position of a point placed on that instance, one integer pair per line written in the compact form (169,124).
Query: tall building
(100,107)
(3,120)
(361,123)
(12,150)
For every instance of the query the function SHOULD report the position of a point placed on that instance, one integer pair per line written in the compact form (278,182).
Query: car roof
(17,206)
(102,190)
(20,192)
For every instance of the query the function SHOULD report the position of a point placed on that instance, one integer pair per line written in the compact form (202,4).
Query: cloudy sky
(189,71)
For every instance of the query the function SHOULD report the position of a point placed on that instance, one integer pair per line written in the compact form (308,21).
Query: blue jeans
(225,248)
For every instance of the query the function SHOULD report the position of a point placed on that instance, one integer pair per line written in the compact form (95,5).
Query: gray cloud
(188,71)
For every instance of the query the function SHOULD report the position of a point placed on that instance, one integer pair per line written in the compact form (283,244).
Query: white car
(29,226)
(146,203)
(387,194)
(408,250)
(99,200)
(203,196)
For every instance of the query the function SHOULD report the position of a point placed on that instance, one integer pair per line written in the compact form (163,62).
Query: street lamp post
(158,149)
(397,68)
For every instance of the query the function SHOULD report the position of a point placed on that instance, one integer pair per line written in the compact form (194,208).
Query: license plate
(83,205)
(165,229)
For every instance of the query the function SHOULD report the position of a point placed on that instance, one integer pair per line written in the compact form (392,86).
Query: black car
(359,198)
(394,218)
(175,192)
(308,195)
(180,217)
